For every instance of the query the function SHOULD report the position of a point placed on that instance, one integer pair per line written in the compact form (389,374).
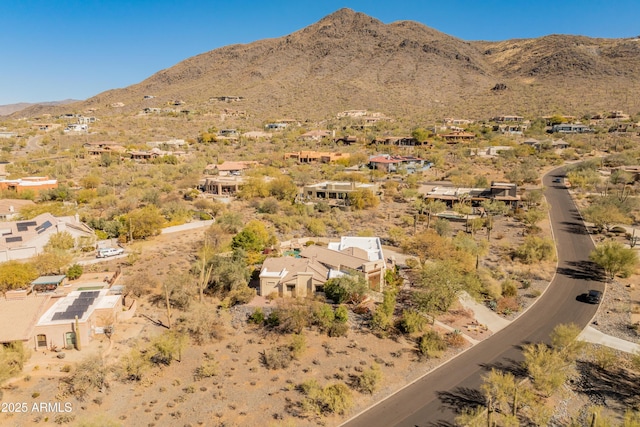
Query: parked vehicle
(109,252)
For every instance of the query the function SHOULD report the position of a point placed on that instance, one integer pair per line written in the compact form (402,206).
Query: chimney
(11,209)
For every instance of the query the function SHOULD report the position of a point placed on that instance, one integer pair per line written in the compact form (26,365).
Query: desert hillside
(349,60)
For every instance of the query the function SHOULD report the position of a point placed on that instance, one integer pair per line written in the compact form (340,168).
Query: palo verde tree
(615,259)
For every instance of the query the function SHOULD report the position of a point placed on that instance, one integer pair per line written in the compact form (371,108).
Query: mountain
(5,110)
(349,60)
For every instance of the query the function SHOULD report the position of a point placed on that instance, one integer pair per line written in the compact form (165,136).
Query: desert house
(305,275)
(335,190)
(30,183)
(316,156)
(24,239)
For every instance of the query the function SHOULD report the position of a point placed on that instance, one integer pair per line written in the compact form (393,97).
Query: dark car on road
(594,297)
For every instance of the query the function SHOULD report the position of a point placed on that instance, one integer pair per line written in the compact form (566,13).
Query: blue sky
(58,49)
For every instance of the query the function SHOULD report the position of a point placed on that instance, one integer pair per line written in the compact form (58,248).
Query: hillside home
(171,143)
(316,156)
(335,191)
(47,126)
(99,148)
(292,277)
(388,163)
(30,183)
(449,121)
(77,127)
(505,192)
(230,168)
(276,126)
(458,136)
(571,128)
(306,275)
(501,119)
(7,135)
(222,185)
(24,239)
(510,129)
(404,141)
(315,135)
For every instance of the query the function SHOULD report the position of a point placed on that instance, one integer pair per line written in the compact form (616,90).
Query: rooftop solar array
(14,239)
(78,307)
(24,226)
(42,227)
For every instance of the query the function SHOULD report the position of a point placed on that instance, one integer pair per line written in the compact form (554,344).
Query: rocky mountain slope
(349,60)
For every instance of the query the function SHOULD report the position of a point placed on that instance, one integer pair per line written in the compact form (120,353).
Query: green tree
(16,275)
(143,222)
(547,368)
(254,237)
(604,216)
(346,289)
(283,188)
(535,249)
(62,240)
(363,198)
(74,272)
(615,259)
(52,261)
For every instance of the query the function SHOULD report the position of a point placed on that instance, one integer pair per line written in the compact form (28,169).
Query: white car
(107,252)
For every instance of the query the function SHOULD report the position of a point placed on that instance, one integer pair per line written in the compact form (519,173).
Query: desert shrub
(167,347)
(535,249)
(243,294)
(507,305)
(455,339)
(338,329)
(293,316)
(90,374)
(277,357)
(412,321)
(208,368)
(74,272)
(273,319)
(298,345)
(12,359)
(346,289)
(341,314)
(132,366)
(332,399)
(604,357)
(509,288)
(323,316)
(431,345)
(369,380)
(202,324)
(257,317)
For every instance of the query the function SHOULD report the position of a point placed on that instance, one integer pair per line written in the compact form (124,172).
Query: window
(42,340)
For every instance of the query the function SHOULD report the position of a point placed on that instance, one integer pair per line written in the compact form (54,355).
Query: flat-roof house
(399,141)
(230,168)
(390,163)
(315,135)
(32,183)
(335,190)
(458,136)
(503,191)
(571,128)
(222,185)
(94,309)
(316,156)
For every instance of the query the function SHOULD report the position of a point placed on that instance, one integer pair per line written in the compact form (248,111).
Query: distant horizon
(88,47)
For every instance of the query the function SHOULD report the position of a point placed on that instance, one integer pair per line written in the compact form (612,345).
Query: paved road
(435,399)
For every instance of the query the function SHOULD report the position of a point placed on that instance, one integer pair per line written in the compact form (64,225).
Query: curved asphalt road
(436,399)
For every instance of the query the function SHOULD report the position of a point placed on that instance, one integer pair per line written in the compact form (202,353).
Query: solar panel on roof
(24,226)
(42,227)
(14,239)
